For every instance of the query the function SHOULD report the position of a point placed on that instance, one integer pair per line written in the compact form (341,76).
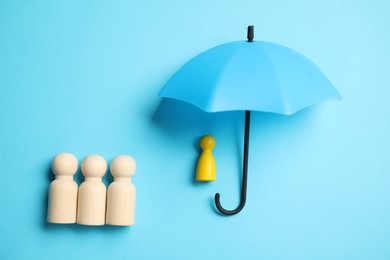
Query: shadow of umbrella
(176,118)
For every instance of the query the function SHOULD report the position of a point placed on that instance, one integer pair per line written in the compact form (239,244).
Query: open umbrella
(249,75)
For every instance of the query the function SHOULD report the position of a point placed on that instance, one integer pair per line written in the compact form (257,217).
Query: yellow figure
(206,169)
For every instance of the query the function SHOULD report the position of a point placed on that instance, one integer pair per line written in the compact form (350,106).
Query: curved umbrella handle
(244,172)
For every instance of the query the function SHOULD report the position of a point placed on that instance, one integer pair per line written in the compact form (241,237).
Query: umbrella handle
(244,172)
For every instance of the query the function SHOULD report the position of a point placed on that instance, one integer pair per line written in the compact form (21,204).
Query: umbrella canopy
(252,75)
(260,76)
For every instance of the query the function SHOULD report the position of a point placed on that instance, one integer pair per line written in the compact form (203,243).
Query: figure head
(207,142)
(94,166)
(64,164)
(123,166)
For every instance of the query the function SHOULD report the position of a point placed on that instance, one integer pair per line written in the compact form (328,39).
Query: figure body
(206,169)
(62,204)
(121,196)
(92,192)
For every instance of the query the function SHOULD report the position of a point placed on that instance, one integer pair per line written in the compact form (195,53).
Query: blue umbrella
(250,75)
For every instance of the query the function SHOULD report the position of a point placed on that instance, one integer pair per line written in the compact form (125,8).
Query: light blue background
(83,77)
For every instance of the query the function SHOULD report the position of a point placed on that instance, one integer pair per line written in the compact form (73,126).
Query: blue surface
(258,76)
(83,77)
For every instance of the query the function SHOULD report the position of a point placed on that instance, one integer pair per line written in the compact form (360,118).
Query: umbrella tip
(251,33)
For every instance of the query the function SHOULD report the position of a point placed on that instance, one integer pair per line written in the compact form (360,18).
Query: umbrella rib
(244,172)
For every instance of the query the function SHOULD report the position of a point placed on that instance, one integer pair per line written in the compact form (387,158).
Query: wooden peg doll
(62,204)
(121,195)
(206,169)
(91,208)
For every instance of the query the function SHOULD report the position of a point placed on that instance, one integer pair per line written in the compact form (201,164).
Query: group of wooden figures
(91,203)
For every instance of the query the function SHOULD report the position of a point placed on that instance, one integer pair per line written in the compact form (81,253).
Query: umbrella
(250,75)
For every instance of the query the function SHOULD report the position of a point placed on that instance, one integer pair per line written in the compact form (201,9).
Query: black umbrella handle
(244,172)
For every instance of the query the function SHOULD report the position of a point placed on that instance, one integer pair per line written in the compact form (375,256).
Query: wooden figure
(63,190)
(206,169)
(91,208)
(121,192)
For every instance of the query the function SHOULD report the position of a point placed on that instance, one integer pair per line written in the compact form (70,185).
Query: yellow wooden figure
(206,169)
